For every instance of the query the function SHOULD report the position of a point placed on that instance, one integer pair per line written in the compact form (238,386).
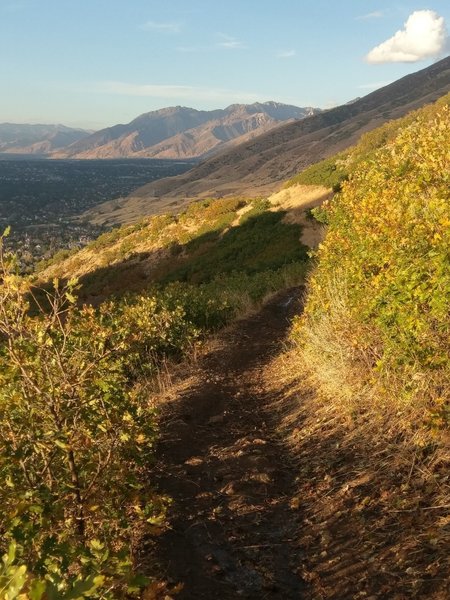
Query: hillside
(380,295)
(133,256)
(258,167)
(37,139)
(317,417)
(235,233)
(180,132)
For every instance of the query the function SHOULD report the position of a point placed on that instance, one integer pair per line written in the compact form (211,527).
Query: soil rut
(233,529)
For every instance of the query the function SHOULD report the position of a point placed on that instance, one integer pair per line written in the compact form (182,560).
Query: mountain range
(170,133)
(37,139)
(259,165)
(180,132)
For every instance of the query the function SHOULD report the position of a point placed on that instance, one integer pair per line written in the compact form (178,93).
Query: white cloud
(377,14)
(286,54)
(170,92)
(225,41)
(373,86)
(229,42)
(424,36)
(162,27)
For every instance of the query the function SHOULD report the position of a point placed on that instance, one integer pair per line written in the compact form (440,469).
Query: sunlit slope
(209,239)
(376,327)
(259,166)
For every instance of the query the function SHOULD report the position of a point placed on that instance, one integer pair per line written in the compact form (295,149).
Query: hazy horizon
(98,63)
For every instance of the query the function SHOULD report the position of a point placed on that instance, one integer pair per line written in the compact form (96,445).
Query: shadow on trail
(234,533)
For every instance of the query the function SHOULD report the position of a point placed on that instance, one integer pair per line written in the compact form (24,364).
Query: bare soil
(276,495)
(233,531)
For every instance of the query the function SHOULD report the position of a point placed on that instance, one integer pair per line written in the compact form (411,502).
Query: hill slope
(37,139)
(258,166)
(271,480)
(180,132)
(380,294)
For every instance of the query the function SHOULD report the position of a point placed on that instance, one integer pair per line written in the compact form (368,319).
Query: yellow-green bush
(378,309)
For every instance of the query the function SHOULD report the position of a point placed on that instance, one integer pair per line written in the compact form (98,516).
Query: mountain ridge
(37,138)
(181,132)
(259,166)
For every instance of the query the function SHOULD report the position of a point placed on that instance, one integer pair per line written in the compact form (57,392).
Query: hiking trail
(234,531)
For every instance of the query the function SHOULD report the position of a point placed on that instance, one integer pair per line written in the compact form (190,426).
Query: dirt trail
(234,532)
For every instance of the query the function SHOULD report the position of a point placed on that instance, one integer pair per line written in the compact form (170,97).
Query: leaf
(9,558)
(62,445)
(37,589)
(84,588)
(96,544)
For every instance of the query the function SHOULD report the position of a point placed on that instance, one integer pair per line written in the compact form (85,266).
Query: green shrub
(330,173)
(386,261)
(262,242)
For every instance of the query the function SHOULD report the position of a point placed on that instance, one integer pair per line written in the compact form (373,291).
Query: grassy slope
(376,321)
(363,297)
(371,361)
(211,239)
(160,286)
(332,171)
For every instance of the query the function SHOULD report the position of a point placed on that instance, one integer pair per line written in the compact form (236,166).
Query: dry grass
(296,201)
(300,197)
(123,211)
(375,507)
(341,354)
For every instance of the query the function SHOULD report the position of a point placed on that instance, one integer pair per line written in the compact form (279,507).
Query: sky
(96,63)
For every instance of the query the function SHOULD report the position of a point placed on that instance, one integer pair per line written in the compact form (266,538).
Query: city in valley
(42,201)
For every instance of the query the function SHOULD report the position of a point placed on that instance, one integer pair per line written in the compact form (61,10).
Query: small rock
(295,502)
(216,419)
(260,477)
(193,461)
(259,442)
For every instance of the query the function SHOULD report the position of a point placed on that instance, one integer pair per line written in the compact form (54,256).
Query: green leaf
(85,588)
(96,544)
(62,445)
(9,558)
(37,589)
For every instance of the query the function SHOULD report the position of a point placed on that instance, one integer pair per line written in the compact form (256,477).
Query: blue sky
(95,63)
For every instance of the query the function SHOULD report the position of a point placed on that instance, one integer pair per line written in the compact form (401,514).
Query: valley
(259,166)
(42,200)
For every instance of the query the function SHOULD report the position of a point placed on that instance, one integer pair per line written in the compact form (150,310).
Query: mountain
(37,139)
(180,132)
(259,165)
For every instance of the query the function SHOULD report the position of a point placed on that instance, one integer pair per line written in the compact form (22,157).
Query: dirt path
(234,532)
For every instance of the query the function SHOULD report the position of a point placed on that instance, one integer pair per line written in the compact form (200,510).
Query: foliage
(77,431)
(330,172)
(257,207)
(211,237)
(386,260)
(77,428)
(212,305)
(260,242)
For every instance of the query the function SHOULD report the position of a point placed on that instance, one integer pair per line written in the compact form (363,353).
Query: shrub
(77,433)
(386,256)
